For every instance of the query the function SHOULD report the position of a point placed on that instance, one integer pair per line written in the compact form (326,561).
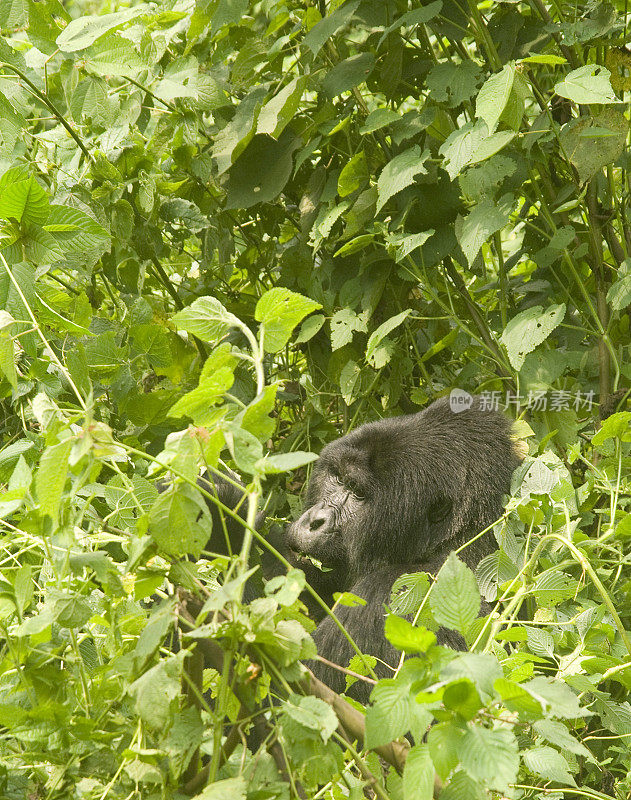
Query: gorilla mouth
(318,563)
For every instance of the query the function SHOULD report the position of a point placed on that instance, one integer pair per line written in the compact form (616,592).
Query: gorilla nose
(317,520)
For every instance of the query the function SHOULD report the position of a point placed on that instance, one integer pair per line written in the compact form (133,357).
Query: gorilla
(392,497)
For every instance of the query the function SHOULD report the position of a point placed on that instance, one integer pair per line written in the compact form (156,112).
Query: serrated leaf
(405,636)
(197,404)
(25,201)
(177,524)
(444,743)
(490,756)
(418,774)
(549,764)
(558,734)
(389,715)
(587,84)
(279,311)
(399,173)
(86,29)
(408,592)
(325,28)
(528,329)
(485,219)
(313,713)
(493,96)
(206,318)
(455,597)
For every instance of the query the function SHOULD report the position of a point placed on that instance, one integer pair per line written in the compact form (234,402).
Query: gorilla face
(403,489)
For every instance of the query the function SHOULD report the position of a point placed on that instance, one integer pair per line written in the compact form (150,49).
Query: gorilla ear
(439,510)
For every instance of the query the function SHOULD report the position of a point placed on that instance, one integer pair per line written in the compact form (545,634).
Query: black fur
(392,497)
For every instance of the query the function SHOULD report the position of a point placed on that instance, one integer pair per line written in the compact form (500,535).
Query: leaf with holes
(528,330)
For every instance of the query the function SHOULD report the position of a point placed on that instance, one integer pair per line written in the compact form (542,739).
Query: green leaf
(313,713)
(349,377)
(309,328)
(405,636)
(389,715)
(619,294)
(418,774)
(7,359)
(408,592)
(493,96)
(378,335)
(418,16)
(455,597)
(588,84)
(343,323)
(348,73)
(617,426)
(378,119)
(453,84)
(543,58)
(51,477)
(459,147)
(256,417)
(113,55)
(278,112)
(155,693)
(177,523)
(482,221)
(444,741)
(462,787)
(399,173)
(490,756)
(592,143)
(25,201)
(197,404)
(558,734)
(327,27)
(284,462)
(207,319)
(462,697)
(86,29)
(353,175)
(226,789)
(528,329)
(279,311)
(549,764)
(286,589)
(260,173)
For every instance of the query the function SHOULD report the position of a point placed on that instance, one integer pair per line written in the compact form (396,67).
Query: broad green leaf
(463,787)
(86,29)
(256,417)
(156,692)
(286,589)
(51,477)
(490,756)
(206,318)
(197,404)
(113,55)
(405,636)
(459,147)
(528,329)
(400,246)
(455,597)
(379,118)
(75,231)
(280,110)
(25,201)
(444,742)
(493,96)
(400,172)
(543,58)
(560,699)
(453,84)
(519,700)
(279,311)
(462,697)
(343,323)
(558,734)
(549,764)
(231,141)
(587,84)
(284,462)
(389,715)
(309,328)
(327,27)
(485,219)
(348,73)
(592,143)
(418,774)
(353,175)
(378,335)
(418,16)
(617,426)
(311,712)
(408,592)
(177,524)
(260,173)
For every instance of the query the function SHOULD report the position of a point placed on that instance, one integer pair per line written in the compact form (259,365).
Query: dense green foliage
(230,232)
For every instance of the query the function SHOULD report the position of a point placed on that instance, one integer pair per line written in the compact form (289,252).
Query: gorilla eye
(356,489)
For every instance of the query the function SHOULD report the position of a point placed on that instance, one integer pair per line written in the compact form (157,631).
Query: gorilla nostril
(317,522)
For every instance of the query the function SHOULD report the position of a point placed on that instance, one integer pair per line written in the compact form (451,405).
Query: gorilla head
(406,490)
